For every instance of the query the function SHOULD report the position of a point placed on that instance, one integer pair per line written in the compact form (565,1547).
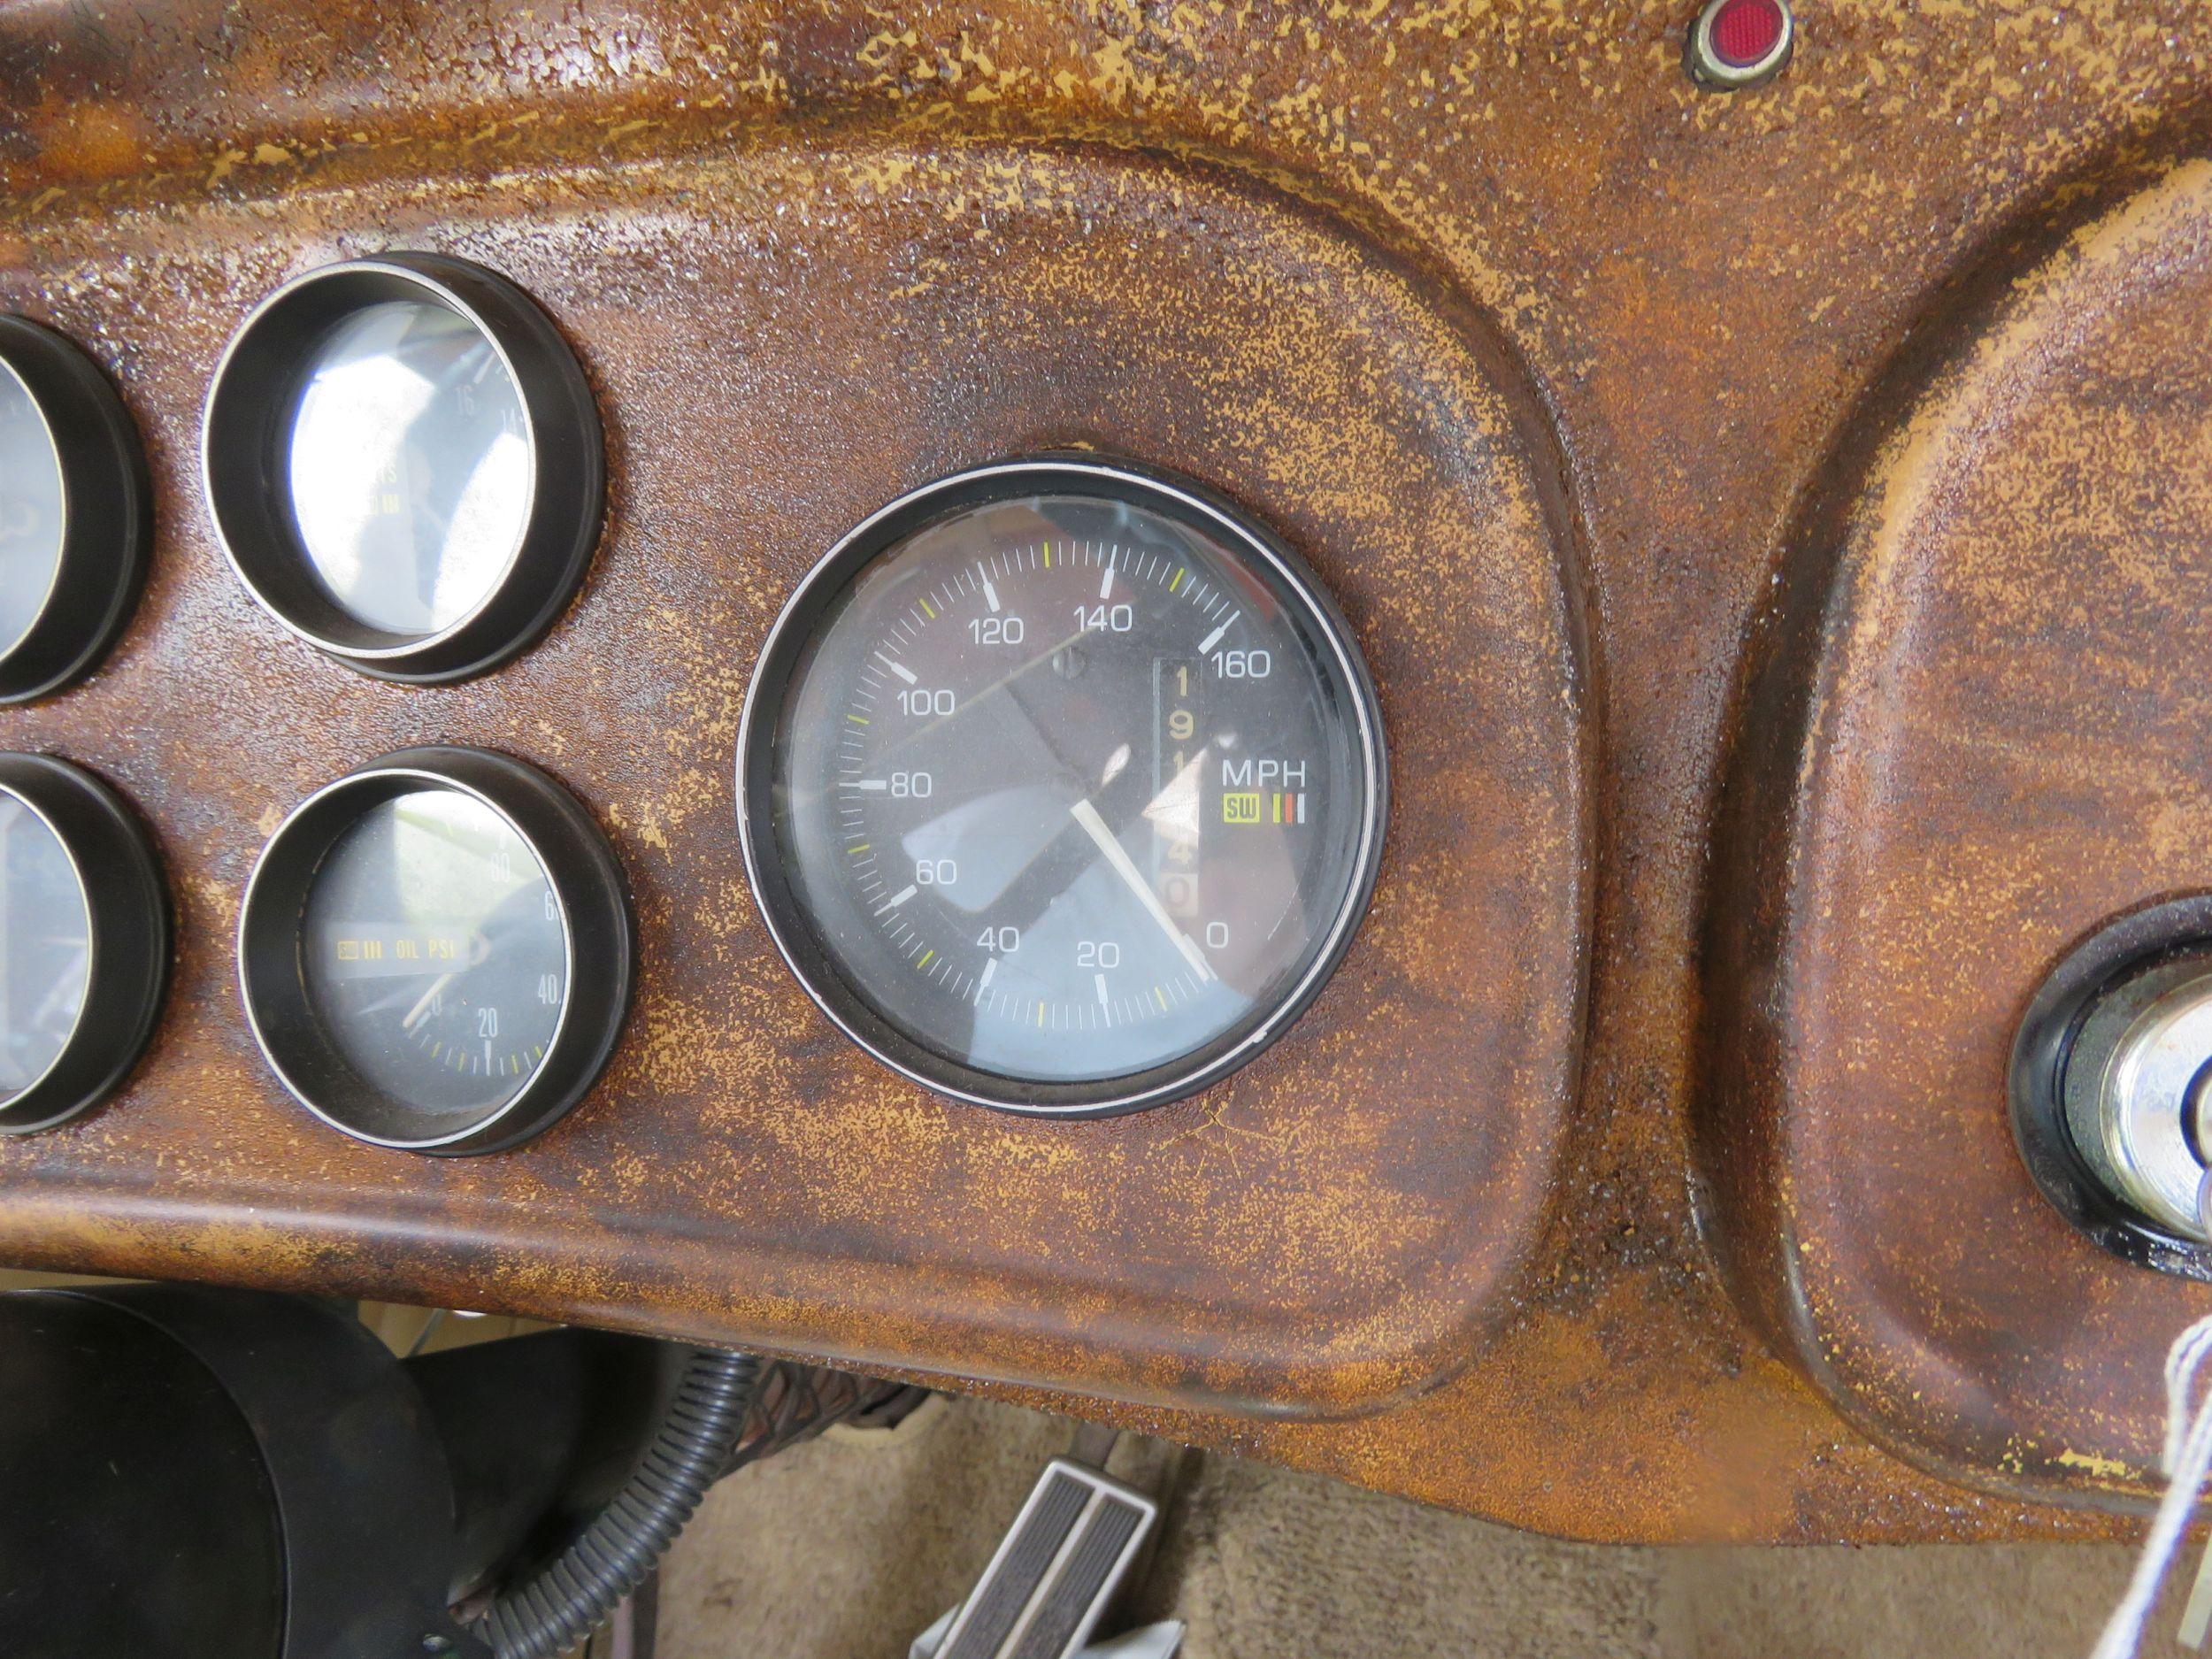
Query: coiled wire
(688,1452)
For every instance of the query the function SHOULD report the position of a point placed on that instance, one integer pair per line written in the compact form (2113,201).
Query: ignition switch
(2135,1087)
(2111,1086)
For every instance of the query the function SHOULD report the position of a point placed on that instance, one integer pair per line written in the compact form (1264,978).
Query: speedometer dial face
(1068,789)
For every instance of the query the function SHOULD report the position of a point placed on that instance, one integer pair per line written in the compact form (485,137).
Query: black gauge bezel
(107,513)
(1179,501)
(126,909)
(599,938)
(246,429)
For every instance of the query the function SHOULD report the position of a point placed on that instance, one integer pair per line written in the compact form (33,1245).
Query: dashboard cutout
(1968,749)
(1335,1226)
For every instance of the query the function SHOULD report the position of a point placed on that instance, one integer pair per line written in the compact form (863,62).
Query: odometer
(1062,786)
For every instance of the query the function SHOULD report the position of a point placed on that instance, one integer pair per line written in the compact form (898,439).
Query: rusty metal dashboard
(1759,524)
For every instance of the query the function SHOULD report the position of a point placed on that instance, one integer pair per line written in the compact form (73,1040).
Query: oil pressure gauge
(436,951)
(1061,787)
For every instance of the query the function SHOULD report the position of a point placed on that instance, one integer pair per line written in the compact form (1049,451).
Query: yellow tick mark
(1159,998)
(856,719)
(926,611)
(1047,555)
(1177,584)
(861,849)
(923,962)
(1041,1013)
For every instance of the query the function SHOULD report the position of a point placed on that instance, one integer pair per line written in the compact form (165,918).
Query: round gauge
(411,948)
(405,465)
(75,512)
(1061,787)
(84,941)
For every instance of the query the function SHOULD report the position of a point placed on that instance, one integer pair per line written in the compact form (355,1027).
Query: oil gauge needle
(423,1002)
(1095,826)
(480,948)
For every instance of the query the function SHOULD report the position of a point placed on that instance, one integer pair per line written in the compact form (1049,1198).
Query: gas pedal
(1054,1574)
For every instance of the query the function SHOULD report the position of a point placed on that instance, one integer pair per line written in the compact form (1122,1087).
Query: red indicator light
(1737,43)
(1744,33)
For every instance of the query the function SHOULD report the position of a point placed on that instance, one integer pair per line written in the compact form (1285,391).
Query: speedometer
(1061,784)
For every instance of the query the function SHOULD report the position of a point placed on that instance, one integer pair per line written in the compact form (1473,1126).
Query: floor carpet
(846,1547)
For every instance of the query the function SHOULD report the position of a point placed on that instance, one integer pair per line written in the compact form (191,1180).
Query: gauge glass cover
(1075,787)
(434,954)
(45,947)
(408,466)
(30,510)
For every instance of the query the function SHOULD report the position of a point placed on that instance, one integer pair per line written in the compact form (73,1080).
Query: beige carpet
(844,1548)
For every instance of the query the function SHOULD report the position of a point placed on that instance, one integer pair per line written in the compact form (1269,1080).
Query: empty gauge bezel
(106,512)
(1171,497)
(599,943)
(245,442)
(120,880)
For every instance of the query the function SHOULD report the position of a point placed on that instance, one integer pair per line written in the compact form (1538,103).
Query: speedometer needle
(1095,826)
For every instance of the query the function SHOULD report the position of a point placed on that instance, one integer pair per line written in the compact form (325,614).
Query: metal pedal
(1054,1572)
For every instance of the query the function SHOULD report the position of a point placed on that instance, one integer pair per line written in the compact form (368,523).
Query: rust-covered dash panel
(1522,338)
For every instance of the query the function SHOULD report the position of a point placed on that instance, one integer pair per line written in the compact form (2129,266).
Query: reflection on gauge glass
(45,947)
(1077,782)
(433,954)
(408,466)
(30,510)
